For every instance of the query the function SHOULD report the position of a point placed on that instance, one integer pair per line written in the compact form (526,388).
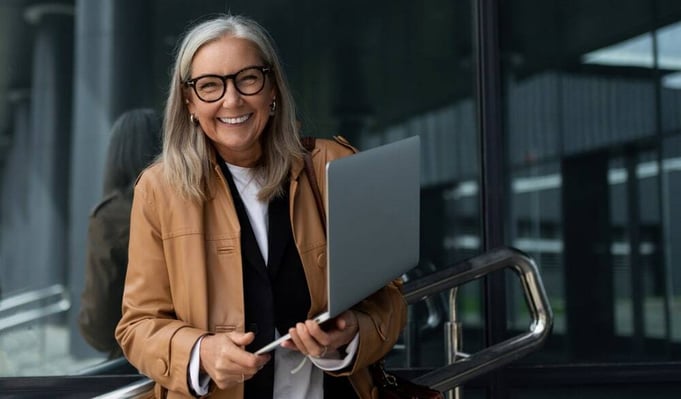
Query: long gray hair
(186,149)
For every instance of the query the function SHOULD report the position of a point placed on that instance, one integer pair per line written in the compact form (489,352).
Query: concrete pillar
(49,143)
(14,212)
(113,73)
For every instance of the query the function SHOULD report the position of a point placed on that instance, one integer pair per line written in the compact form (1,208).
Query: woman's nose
(232,96)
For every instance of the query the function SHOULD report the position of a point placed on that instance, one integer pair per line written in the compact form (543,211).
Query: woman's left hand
(310,339)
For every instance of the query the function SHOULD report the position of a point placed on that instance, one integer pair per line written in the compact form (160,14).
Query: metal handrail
(453,338)
(497,355)
(15,302)
(118,366)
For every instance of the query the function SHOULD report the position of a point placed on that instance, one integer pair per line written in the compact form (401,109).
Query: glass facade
(589,161)
(590,114)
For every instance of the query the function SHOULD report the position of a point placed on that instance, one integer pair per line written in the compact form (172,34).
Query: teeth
(234,121)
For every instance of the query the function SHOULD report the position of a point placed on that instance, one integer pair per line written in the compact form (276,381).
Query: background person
(135,142)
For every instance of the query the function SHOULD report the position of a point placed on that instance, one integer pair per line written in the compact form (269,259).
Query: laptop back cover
(373,205)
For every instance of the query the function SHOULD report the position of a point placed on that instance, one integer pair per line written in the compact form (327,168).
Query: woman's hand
(227,363)
(310,339)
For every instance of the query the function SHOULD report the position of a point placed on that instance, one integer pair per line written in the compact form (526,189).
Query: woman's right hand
(226,361)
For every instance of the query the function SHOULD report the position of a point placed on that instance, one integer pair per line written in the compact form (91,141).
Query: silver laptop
(373,222)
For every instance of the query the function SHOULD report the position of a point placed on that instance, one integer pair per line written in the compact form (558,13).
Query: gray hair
(186,149)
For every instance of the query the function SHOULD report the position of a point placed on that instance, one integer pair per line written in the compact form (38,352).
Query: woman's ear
(274,93)
(189,104)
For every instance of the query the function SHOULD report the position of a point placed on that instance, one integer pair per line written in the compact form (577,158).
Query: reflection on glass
(622,277)
(586,113)
(671,175)
(669,49)
(636,52)
(537,230)
(659,49)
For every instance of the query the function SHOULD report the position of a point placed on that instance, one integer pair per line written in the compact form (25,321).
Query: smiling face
(235,122)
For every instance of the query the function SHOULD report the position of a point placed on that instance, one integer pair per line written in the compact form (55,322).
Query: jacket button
(162,366)
(321,259)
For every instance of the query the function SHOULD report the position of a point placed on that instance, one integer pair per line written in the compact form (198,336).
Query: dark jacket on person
(107,259)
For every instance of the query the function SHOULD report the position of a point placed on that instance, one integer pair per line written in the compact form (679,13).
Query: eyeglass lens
(247,82)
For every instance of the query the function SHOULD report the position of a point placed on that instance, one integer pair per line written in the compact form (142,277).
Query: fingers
(242,339)
(346,320)
(309,338)
(227,363)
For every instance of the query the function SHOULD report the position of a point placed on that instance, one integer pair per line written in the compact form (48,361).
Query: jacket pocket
(224,328)
(224,249)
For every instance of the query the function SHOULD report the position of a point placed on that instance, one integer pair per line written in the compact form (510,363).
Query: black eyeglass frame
(265,69)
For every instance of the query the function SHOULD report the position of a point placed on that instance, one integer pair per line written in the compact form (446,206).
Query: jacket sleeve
(151,337)
(107,256)
(381,317)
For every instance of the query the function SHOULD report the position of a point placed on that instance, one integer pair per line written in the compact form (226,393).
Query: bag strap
(381,377)
(309,144)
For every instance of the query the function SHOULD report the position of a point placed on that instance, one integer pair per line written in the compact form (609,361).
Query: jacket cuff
(181,346)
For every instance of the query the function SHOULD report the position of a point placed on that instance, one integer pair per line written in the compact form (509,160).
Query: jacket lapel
(252,254)
(249,245)
(276,234)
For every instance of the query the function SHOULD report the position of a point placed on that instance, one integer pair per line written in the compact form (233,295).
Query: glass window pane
(536,215)
(587,109)
(671,173)
(669,59)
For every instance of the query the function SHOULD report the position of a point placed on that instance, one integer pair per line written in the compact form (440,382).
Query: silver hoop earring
(273,106)
(193,119)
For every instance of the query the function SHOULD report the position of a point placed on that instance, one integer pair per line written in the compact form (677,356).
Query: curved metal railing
(502,353)
(117,366)
(33,305)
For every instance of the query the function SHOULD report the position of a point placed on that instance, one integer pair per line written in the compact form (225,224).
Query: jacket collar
(212,182)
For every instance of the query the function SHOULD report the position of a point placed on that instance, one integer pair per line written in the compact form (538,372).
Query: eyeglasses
(248,81)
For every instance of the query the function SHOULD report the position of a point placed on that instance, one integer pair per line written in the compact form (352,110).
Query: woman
(135,142)
(227,251)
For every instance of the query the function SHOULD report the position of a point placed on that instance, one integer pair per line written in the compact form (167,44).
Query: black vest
(276,295)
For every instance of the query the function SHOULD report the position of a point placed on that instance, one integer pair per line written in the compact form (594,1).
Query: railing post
(453,336)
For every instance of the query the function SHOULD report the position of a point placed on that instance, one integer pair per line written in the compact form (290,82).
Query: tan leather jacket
(184,278)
